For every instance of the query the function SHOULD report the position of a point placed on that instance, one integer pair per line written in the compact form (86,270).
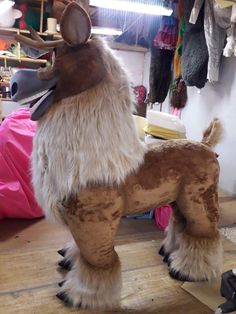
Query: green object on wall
(32,18)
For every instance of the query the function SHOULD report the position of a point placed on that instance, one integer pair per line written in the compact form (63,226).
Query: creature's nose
(26,84)
(21,84)
(14,89)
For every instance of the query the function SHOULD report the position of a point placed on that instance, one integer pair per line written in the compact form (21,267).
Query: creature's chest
(54,151)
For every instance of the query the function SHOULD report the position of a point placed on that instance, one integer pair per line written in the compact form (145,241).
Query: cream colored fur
(198,258)
(90,137)
(170,242)
(96,288)
(213,134)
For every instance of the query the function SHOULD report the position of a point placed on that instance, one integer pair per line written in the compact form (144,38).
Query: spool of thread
(51,25)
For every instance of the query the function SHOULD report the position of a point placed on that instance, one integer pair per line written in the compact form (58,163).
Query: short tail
(213,134)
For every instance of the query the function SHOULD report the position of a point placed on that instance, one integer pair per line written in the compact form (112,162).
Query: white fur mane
(88,138)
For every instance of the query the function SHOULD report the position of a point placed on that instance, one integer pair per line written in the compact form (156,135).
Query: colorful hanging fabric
(160,74)
(162,52)
(178,51)
(194,63)
(178,90)
(167,36)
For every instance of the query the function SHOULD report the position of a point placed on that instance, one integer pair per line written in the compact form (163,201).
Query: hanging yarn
(162,53)
(160,74)
(178,93)
(178,51)
(194,63)
(178,90)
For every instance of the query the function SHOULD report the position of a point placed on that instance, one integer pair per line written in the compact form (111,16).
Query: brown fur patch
(82,65)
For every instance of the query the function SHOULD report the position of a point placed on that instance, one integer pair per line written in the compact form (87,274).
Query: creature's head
(78,64)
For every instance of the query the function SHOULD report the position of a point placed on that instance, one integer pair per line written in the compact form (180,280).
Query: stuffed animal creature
(90,168)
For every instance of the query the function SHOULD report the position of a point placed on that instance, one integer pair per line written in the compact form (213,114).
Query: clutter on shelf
(8,14)
(5,76)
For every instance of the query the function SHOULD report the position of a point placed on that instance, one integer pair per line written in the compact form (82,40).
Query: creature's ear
(75,25)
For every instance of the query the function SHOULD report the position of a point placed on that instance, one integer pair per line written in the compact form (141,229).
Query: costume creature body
(90,168)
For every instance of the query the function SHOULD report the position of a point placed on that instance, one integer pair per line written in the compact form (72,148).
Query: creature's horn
(213,134)
(37,42)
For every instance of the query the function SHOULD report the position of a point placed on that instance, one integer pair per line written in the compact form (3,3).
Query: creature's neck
(94,143)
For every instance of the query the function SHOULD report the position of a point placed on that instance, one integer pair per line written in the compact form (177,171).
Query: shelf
(10,31)
(24,60)
(121,46)
(5,83)
(117,46)
(5,99)
(114,45)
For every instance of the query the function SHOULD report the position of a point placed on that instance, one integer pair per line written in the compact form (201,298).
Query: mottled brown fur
(191,175)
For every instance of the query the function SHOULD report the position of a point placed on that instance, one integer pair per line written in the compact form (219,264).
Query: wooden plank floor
(29,273)
(227,209)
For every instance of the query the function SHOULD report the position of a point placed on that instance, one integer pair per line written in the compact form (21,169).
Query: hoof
(169,261)
(162,251)
(63,297)
(66,264)
(61,283)
(166,258)
(62,252)
(177,275)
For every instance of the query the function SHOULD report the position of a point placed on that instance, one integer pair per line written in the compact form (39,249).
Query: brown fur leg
(95,279)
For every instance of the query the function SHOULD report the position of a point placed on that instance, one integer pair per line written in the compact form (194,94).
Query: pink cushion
(16,192)
(162,216)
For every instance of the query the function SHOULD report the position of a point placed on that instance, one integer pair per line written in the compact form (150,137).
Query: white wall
(146,69)
(217,101)
(134,62)
(8,107)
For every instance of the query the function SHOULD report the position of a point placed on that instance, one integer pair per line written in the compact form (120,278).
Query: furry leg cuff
(91,287)
(70,253)
(196,259)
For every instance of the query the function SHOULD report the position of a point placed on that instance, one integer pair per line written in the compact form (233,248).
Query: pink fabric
(177,112)
(16,192)
(162,216)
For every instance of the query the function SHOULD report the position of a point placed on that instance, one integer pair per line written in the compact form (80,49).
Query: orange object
(3,44)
